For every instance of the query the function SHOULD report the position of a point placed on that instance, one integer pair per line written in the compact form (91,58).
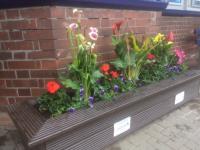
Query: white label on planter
(122,126)
(179,97)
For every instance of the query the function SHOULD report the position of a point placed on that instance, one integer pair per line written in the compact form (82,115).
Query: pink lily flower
(93,29)
(181,56)
(73,26)
(93,35)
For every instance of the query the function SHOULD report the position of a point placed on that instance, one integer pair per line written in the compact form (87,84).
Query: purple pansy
(102,91)
(116,88)
(122,78)
(91,101)
(71,109)
(175,69)
(81,92)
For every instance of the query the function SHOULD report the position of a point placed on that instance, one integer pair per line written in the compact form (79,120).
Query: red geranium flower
(170,37)
(52,87)
(105,68)
(116,26)
(150,56)
(114,74)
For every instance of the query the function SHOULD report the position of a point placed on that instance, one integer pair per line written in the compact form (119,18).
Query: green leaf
(115,41)
(97,74)
(146,44)
(71,84)
(135,45)
(130,59)
(119,64)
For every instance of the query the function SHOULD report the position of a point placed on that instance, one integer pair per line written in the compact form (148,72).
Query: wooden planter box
(93,129)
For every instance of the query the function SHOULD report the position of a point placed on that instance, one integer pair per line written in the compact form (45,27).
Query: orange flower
(170,37)
(114,74)
(52,87)
(105,68)
(150,56)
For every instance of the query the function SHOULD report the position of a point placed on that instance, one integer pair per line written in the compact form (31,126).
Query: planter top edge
(53,127)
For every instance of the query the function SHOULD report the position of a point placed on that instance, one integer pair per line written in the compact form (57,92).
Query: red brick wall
(34,46)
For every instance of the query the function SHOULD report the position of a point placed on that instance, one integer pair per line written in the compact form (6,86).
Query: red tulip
(116,26)
(170,37)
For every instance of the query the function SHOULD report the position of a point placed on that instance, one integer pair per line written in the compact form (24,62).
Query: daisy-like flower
(73,26)
(93,35)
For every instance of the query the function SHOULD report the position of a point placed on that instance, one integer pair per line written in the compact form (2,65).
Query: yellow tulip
(159,37)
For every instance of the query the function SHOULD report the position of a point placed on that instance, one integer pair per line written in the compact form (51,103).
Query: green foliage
(56,104)
(165,59)
(83,70)
(68,83)
(131,54)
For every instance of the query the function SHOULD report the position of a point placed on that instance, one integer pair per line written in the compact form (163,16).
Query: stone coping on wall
(116,4)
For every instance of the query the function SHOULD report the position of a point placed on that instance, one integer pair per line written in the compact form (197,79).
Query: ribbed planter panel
(93,129)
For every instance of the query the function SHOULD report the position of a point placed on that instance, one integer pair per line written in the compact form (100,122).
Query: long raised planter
(93,129)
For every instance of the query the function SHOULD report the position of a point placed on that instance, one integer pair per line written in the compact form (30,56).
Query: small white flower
(92,46)
(93,35)
(93,29)
(75,10)
(89,43)
(73,26)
